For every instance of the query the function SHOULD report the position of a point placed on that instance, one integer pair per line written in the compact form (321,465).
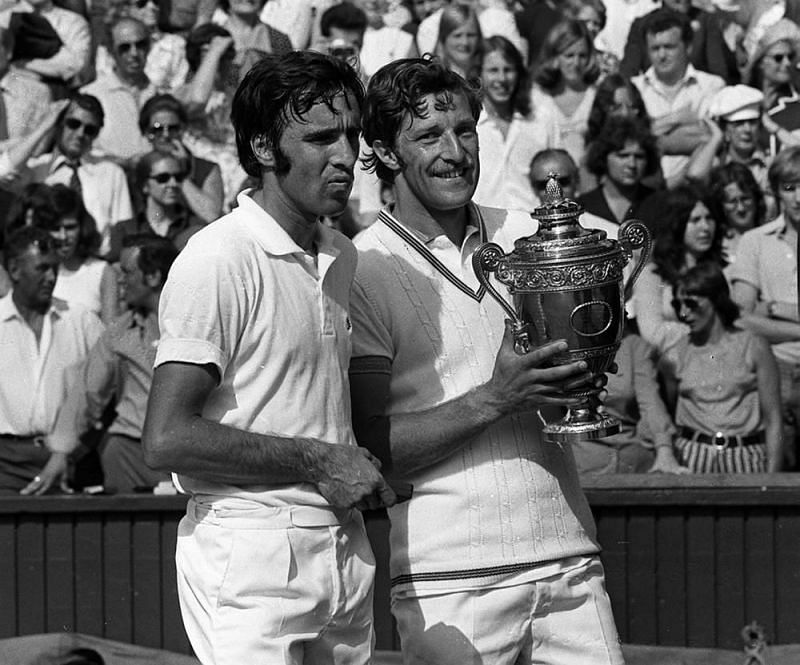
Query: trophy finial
(553,196)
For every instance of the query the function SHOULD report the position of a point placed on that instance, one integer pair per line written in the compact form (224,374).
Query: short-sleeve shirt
(274,322)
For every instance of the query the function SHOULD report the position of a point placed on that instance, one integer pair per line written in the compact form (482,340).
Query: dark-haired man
(249,403)
(121,363)
(45,342)
(494,558)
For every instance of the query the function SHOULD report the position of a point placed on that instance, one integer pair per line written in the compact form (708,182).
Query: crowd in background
(116,146)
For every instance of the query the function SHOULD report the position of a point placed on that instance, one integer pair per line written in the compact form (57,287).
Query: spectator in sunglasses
(163,122)
(724,382)
(688,234)
(101,183)
(621,156)
(123,91)
(163,211)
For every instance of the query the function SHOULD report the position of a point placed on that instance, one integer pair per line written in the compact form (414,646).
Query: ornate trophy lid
(560,231)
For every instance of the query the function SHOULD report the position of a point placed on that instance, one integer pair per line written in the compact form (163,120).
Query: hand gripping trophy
(566,282)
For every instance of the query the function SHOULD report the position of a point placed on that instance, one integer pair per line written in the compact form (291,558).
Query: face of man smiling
(437,154)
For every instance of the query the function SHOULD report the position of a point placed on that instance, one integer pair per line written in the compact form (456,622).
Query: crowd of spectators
(116,146)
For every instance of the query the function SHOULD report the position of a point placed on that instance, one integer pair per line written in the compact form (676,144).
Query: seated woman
(724,382)
(620,157)
(644,442)
(508,134)
(163,122)
(687,234)
(161,210)
(739,203)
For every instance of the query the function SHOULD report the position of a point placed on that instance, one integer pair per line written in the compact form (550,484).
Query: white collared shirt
(274,320)
(35,375)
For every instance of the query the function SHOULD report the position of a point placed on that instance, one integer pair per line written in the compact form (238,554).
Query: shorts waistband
(721,440)
(255,516)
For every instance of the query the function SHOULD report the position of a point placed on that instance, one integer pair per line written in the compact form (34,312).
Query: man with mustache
(249,402)
(494,557)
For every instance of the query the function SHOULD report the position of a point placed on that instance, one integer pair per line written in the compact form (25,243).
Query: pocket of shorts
(258,567)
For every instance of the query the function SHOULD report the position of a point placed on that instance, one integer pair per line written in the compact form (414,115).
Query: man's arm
(414,441)
(774,331)
(177,438)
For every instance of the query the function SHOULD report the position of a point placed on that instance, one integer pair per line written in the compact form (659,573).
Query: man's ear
(387,155)
(153,280)
(262,152)
(13,270)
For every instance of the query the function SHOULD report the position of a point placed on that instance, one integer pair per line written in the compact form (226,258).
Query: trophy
(566,282)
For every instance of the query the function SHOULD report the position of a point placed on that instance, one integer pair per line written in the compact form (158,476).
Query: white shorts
(564,619)
(275,585)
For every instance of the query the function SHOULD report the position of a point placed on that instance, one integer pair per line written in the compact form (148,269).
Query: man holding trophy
(494,557)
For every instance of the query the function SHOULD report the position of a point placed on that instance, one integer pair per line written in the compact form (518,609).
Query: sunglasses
(165,130)
(89,129)
(126,47)
(564,181)
(164,178)
(780,57)
(688,302)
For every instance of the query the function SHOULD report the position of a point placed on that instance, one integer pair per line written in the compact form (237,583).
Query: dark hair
(614,135)
(21,239)
(282,88)
(453,17)
(33,207)
(604,101)
(68,203)
(706,279)
(344,16)
(560,37)
(144,166)
(161,102)
(197,38)
(88,103)
(155,253)
(785,167)
(396,92)
(735,173)
(665,19)
(550,153)
(669,250)
(521,96)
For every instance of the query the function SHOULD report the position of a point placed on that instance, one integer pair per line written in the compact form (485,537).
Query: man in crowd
(675,94)
(764,278)
(101,183)
(494,557)
(123,91)
(249,403)
(121,363)
(44,343)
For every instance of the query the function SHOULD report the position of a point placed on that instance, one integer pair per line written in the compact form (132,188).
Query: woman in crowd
(207,98)
(162,121)
(592,13)
(564,84)
(687,234)
(739,202)
(509,135)
(772,69)
(724,382)
(459,42)
(616,97)
(620,158)
(251,37)
(162,212)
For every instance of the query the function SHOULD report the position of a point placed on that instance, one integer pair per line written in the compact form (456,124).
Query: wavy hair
(706,279)
(561,37)
(614,135)
(734,173)
(604,103)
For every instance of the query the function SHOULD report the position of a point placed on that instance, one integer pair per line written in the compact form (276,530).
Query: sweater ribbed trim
(468,574)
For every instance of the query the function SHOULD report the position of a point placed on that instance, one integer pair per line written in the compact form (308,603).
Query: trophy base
(581,425)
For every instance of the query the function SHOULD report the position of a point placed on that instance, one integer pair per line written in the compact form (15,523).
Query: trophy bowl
(566,282)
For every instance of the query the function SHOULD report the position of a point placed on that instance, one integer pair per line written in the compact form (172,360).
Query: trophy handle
(633,234)
(485,260)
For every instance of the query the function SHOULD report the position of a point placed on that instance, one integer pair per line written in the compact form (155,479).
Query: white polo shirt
(244,297)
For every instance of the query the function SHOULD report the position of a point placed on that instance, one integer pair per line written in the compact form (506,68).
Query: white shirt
(505,161)
(244,297)
(694,91)
(104,188)
(36,375)
(620,15)
(383,46)
(299,19)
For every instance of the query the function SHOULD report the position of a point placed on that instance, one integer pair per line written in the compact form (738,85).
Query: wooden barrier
(689,561)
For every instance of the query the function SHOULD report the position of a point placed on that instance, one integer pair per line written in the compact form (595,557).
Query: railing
(689,561)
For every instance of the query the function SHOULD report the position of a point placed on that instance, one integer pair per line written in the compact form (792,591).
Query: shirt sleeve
(121,208)
(653,411)
(648,300)
(745,268)
(371,336)
(73,55)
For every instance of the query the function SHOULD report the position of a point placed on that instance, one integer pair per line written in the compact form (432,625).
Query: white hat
(736,102)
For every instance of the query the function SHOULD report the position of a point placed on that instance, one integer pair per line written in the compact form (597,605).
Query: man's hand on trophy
(521,382)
